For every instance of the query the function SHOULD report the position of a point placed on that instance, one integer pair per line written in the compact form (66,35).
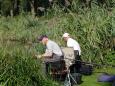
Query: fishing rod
(89,63)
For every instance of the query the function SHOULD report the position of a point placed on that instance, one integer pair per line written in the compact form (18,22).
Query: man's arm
(47,54)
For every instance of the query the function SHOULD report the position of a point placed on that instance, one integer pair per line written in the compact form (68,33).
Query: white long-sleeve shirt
(73,43)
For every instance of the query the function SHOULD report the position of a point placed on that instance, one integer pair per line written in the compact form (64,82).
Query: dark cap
(41,37)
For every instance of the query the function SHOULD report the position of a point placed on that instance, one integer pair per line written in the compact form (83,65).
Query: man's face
(44,41)
(65,38)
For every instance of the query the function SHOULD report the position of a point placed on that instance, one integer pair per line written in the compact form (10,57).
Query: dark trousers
(75,68)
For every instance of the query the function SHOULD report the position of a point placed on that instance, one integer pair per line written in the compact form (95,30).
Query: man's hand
(37,56)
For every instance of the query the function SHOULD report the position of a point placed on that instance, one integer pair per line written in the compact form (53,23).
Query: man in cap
(52,53)
(77,51)
(52,48)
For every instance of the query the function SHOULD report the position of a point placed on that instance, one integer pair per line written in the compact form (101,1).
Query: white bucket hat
(65,35)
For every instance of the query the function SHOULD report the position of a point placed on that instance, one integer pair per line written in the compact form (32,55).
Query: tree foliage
(14,7)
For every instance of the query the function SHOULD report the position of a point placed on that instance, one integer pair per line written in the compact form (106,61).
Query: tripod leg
(67,81)
(73,79)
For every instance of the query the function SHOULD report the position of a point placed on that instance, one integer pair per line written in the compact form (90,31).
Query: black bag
(86,69)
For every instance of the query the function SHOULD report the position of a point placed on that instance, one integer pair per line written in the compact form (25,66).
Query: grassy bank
(93,79)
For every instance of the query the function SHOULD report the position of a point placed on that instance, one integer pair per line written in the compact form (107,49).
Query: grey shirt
(53,48)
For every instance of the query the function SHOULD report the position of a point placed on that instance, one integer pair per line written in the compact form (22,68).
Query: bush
(17,68)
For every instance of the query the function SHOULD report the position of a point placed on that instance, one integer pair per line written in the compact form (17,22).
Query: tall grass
(92,28)
(17,68)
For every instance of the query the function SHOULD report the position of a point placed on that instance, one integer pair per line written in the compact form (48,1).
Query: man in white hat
(77,51)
